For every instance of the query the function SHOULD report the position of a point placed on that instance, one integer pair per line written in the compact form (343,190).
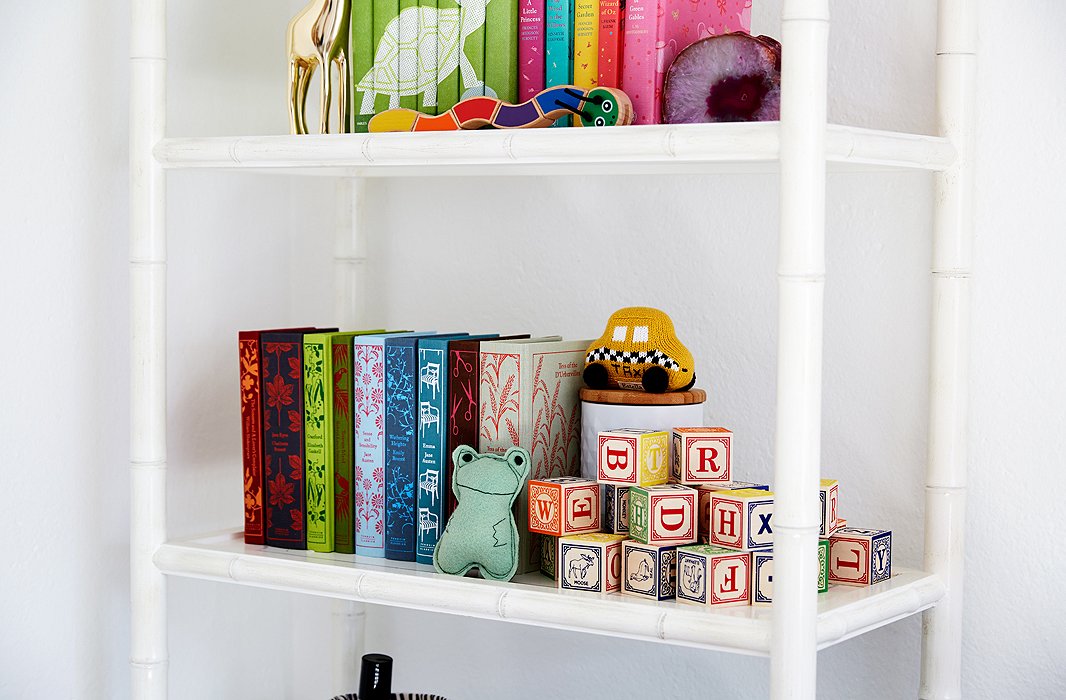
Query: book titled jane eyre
(529,398)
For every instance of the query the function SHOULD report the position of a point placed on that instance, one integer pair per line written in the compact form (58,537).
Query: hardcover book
(530,398)
(428,38)
(409,36)
(559,46)
(656,31)
(530,49)
(501,49)
(609,62)
(251,431)
(361,54)
(386,66)
(318,440)
(586,43)
(368,411)
(402,417)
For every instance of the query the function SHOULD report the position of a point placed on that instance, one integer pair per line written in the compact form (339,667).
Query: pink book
(530,49)
(656,31)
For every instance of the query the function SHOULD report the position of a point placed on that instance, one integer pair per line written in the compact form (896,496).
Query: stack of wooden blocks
(666,520)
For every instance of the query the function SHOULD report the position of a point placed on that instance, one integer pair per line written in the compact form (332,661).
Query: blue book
(432,442)
(559,45)
(401,444)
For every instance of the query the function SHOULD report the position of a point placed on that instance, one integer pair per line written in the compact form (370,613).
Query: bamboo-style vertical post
(801,281)
(945,490)
(349,306)
(148,390)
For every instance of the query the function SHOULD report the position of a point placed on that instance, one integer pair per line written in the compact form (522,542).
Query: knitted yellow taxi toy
(639,350)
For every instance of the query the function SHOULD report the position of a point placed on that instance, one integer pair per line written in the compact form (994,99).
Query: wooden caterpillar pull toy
(595,107)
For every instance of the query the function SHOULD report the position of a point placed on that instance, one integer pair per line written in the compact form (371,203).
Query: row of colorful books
(427,55)
(347,437)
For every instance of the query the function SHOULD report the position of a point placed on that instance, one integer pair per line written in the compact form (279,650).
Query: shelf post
(949,355)
(801,281)
(148,385)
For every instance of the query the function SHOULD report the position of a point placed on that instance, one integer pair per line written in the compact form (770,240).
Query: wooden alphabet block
(614,507)
(827,494)
(590,562)
(633,457)
(823,566)
(714,576)
(703,524)
(549,549)
(564,505)
(741,519)
(649,570)
(702,456)
(662,514)
(859,557)
(762,574)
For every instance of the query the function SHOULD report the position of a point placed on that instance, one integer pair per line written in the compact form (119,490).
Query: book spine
(501,50)
(499,400)
(464,388)
(432,431)
(368,397)
(361,51)
(251,437)
(386,81)
(448,57)
(407,54)
(586,40)
(400,454)
(558,42)
(612,23)
(283,443)
(640,56)
(530,49)
(343,454)
(318,441)
(428,48)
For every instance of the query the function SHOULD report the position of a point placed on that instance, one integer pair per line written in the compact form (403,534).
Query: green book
(408,34)
(318,440)
(361,52)
(472,25)
(386,52)
(501,50)
(427,56)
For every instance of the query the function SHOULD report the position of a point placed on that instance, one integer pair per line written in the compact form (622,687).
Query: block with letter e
(859,557)
(702,456)
(663,514)
(590,562)
(649,570)
(564,505)
(614,508)
(633,457)
(741,519)
(713,576)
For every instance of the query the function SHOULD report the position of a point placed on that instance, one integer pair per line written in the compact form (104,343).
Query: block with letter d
(590,562)
(859,557)
(633,457)
(702,456)
(663,514)
(564,505)
(649,570)
(714,576)
(741,519)
(614,508)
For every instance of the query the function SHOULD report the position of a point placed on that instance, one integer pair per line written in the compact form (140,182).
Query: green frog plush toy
(482,531)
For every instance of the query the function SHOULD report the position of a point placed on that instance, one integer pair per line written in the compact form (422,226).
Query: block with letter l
(860,557)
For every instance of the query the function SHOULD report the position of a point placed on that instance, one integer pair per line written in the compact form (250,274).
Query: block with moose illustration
(713,576)
(741,519)
(590,562)
(860,557)
(702,456)
(564,505)
(649,570)
(663,514)
(633,457)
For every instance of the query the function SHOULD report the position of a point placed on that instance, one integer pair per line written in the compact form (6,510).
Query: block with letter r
(860,557)
(701,456)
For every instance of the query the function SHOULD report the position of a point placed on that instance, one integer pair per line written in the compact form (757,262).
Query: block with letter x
(741,519)
(564,505)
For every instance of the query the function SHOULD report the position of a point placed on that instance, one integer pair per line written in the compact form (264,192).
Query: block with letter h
(633,457)
(564,505)
(590,562)
(762,574)
(614,508)
(713,576)
(741,519)
(663,514)
(703,524)
(649,570)
(702,456)
(828,495)
(859,557)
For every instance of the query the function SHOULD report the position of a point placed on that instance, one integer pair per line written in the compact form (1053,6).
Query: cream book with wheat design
(530,398)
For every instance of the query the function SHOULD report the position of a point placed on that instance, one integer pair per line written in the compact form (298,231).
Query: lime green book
(386,53)
(318,440)
(361,52)
(501,50)
(408,35)
(427,56)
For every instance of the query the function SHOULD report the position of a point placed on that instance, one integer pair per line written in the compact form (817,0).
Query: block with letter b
(633,457)
(714,576)
(741,519)
(702,455)
(649,570)
(564,505)
(859,557)
(828,495)
(614,508)
(590,562)
(663,514)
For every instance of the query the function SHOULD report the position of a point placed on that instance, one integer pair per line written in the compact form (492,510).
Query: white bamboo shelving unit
(801,148)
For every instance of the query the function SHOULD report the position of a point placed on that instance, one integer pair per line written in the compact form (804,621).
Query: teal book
(559,46)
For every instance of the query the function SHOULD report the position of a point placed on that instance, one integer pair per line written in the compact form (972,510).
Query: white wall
(253,251)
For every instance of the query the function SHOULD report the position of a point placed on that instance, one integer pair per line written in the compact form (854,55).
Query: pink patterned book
(530,48)
(656,31)
(530,398)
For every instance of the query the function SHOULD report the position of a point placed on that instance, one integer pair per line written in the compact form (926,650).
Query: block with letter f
(713,576)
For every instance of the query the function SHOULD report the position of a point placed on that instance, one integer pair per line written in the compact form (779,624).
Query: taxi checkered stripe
(652,357)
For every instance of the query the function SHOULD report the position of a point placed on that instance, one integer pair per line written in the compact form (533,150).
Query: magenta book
(530,49)
(656,31)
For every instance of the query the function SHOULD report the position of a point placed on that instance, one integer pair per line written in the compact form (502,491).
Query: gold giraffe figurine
(318,37)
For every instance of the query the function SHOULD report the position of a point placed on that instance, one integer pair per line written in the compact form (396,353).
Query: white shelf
(744,147)
(843,612)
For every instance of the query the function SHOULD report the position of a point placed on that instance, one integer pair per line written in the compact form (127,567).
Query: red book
(612,21)
(251,380)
